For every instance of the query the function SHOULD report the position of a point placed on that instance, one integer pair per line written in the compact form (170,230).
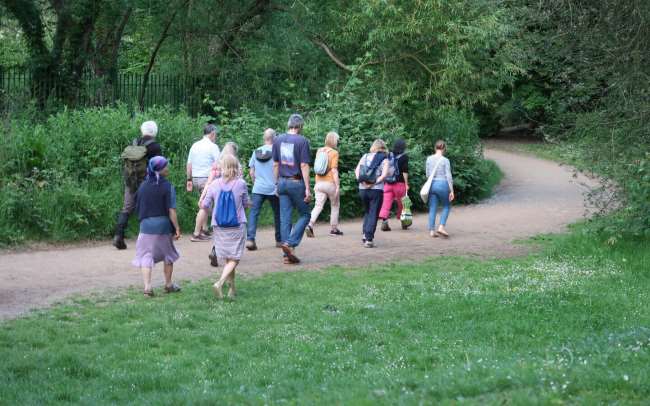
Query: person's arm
(406,180)
(450,181)
(174,219)
(305,177)
(251,167)
(188,184)
(405,172)
(428,167)
(246,203)
(384,171)
(337,181)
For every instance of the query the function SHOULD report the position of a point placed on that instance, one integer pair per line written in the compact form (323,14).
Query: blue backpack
(226,209)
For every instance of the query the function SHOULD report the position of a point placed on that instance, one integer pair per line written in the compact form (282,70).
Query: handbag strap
(435,168)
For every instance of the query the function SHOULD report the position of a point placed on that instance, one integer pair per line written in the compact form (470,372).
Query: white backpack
(321,163)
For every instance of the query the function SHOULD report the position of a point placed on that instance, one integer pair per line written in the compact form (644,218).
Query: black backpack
(368,171)
(393,168)
(262,155)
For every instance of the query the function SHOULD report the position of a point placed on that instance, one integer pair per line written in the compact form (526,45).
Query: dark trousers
(257,200)
(372,200)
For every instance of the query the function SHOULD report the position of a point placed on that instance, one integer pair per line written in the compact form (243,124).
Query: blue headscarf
(156,164)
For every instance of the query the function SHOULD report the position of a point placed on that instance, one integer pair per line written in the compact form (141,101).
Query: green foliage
(567,326)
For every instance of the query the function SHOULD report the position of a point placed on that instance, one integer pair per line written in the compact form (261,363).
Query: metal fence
(17,87)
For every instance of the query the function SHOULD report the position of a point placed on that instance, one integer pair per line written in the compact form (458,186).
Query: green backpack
(134,158)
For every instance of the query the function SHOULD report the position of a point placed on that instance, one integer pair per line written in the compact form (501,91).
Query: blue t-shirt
(161,224)
(264,178)
(290,151)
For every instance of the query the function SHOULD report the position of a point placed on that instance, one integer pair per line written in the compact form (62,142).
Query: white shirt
(202,155)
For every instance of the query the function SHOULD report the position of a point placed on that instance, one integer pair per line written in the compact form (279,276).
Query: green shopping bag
(407,216)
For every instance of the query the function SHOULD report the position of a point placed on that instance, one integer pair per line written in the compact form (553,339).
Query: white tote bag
(426,188)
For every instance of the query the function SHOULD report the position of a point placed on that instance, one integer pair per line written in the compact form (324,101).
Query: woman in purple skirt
(156,208)
(230,238)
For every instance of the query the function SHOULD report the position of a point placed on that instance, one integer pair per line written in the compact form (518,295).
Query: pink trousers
(392,192)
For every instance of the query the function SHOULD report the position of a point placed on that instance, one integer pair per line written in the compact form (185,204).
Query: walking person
(203,154)
(229,194)
(371,173)
(328,185)
(397,183)
(291,161)
(264,189)
(442,189)
(230,148)
(156,208)
(136,158)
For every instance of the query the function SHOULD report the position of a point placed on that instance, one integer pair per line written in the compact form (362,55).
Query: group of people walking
(280,170)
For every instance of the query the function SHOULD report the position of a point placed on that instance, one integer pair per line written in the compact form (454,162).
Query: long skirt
(229,242)
(153,248)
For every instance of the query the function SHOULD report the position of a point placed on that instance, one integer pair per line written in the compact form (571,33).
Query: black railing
(18,86)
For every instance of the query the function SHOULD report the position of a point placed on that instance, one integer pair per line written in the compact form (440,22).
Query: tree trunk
(154,53)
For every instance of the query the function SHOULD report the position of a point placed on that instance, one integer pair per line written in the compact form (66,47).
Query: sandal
(173,288)
(149,293)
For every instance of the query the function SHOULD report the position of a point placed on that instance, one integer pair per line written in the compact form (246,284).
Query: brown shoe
(291,257)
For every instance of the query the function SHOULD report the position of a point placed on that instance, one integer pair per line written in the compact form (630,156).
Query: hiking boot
(336,232)
(118,242)
(309,231)
(199,238)
(120,229)
(385,226)
(250,245)
(290,257)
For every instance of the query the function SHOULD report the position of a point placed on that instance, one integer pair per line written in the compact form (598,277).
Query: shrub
(61,178)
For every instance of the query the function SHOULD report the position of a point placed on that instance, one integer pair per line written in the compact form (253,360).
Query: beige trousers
(324,191)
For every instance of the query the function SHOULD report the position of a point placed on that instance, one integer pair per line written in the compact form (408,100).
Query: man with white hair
(261,171)
(133,178)
(203,154)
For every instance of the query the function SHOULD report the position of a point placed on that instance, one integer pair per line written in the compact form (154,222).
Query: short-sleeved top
(290,151)
(367,159)
(202,155)
(403,165)
(264,177)
(239,190)
(332,163)
(153,201)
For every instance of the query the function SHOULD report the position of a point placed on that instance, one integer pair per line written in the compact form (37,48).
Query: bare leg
(232,292)
(227,269)
(201,219)
(146,278)
(169,268)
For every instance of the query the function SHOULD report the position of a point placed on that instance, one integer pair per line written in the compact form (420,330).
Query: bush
(60,179)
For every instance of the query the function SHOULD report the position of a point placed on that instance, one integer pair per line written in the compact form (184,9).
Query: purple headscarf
(156,164)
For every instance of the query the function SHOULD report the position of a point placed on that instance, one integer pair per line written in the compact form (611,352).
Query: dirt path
(536,196)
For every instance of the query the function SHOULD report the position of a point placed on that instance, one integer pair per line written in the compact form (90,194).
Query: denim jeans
(292,196)
(439,192)
(372,200)
(257,201)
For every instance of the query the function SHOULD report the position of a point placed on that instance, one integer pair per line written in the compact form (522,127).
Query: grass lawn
(571,324)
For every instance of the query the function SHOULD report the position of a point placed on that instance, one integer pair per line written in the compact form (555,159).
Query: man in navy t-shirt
(291,159)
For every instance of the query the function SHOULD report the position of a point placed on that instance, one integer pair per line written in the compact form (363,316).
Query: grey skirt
(153,248)
(229,242)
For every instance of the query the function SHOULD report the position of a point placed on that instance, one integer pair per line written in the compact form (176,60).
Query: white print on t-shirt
(286,154)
